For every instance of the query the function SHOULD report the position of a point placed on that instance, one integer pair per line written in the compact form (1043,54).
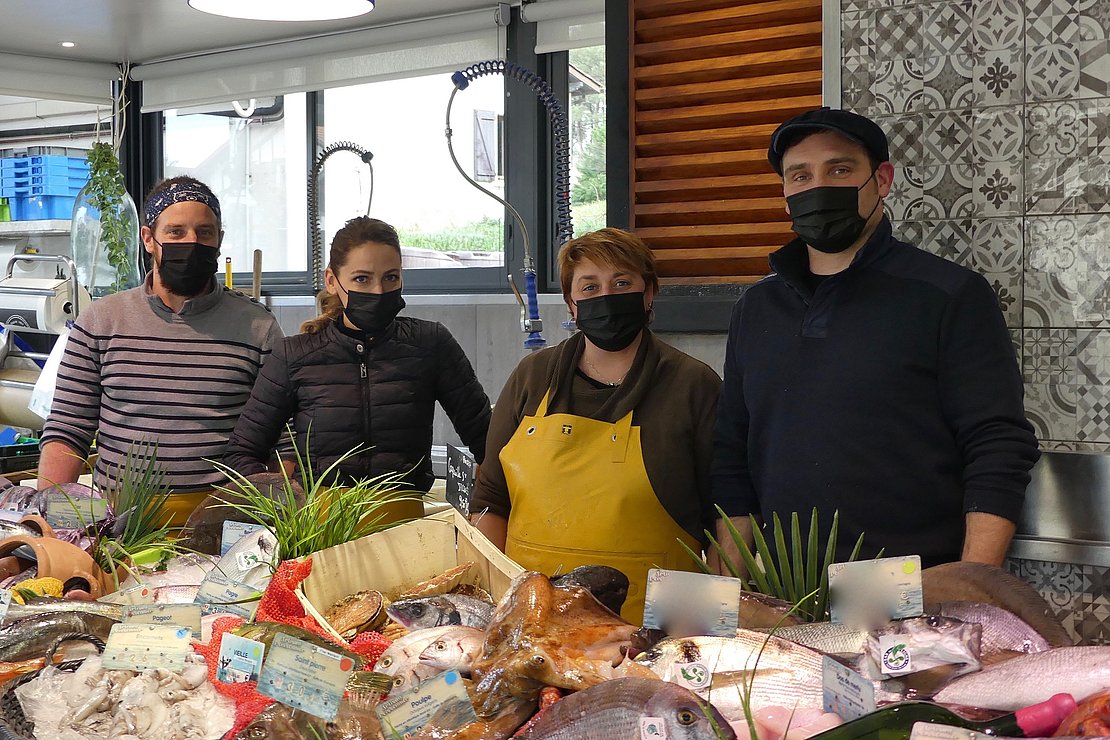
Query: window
(587,138)
(252,155)
(443,221)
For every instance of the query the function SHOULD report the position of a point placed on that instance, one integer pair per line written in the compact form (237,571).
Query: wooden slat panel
(710,212)
(804,59)
(709,81)
(696,118)
(732,18)
(705,140)
(728,91)
(728,44)
(697,190)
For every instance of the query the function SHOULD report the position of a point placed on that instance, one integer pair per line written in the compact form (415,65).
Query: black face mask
(612,322)
(372,312)
(186,268)
(827,218)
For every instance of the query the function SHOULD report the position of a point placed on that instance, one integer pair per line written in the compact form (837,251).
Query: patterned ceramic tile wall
(998,113)
(1079,594)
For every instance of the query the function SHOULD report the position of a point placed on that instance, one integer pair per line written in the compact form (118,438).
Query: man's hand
(744,525)
(58,464)
(987,538)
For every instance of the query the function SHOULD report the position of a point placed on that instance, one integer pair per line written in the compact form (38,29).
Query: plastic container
(41,207)
(5,210)
(17,457)
(43,160)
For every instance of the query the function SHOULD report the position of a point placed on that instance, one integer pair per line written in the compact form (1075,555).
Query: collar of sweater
(193,306)
(792,261)
(637,382)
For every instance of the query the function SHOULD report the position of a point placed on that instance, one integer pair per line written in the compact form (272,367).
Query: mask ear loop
(878,200)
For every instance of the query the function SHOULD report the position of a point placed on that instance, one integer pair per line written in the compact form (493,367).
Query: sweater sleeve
(981,399)
(705,410)
(730,476)
(491,490)
(75,412)
(264,417)
(461,395)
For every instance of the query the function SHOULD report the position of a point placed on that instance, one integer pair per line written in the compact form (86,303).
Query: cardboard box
(397,559)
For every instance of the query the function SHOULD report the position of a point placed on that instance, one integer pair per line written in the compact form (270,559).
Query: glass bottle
(100,271)
(896,721)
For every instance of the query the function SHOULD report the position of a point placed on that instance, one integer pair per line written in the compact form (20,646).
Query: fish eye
(385,662)
(440,645)
(686,717)
(399,682)
(932,620)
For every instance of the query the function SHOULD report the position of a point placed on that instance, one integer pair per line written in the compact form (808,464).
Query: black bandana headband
(179,192)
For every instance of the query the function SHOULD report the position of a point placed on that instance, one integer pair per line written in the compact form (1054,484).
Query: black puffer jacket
(347,391)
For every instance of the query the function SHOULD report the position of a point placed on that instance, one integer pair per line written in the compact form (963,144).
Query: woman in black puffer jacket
(359,374)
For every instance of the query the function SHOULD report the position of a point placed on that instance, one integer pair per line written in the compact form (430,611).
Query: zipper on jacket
(362,370)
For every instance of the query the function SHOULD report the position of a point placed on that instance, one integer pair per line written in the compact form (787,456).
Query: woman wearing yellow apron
(598,449)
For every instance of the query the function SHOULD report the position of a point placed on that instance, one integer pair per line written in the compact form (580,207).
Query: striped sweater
(134,370)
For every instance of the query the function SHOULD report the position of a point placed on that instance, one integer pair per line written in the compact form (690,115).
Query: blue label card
(845,692)
(180,615)
(688,604)
(305,676)
(67,512)
(136,647)
(441,701)
(218,594)
(240,659)
(233,532)
(870,593)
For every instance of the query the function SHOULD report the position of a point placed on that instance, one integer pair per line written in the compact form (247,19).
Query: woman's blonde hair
(355,233)
(611,247)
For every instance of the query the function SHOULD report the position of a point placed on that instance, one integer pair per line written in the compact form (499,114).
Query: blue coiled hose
(564,226)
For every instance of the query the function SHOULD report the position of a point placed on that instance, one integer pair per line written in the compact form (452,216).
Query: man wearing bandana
(866,376)
(171,362)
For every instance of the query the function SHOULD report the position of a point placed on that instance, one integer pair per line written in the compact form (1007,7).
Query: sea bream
(402,662)
(1003,632)
(440,611)
(625,708)
(1030,679)
(777,672)
(455,651)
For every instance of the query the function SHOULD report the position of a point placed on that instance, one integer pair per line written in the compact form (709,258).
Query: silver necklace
(597,375)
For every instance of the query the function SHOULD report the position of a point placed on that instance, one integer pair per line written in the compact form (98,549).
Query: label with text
(305,676)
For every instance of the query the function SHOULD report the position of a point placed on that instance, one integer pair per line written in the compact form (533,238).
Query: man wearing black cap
(867,376)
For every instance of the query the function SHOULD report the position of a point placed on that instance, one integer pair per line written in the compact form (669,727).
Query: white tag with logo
(895,656)
(693,676)
(652,728)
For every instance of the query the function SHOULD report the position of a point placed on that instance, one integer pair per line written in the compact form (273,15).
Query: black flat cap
(851,125)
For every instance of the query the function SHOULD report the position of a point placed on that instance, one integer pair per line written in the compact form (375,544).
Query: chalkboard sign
(460,479)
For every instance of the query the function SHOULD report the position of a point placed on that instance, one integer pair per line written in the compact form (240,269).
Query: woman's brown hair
(355,233)
(612,247)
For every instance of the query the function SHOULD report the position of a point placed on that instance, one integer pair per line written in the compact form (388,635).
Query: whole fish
(251,560)
(1002,631)
(49,604)
(608,585)
(169,594)
(776,672)
(401,660)
(455,651)
(942,646)
(621,707)
(440,611)
(1030,679)
(31,637)
(986,584)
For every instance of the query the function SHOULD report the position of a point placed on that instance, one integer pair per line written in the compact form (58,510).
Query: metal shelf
(51,227)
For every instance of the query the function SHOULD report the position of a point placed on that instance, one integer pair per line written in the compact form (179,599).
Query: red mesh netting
(370,645)
(248,702)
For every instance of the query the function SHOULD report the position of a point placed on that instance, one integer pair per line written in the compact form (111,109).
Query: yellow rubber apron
(580,495)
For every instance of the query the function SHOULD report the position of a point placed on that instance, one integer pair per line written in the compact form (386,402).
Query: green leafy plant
(106,190)
(325,514)
(137,493)
(795,573)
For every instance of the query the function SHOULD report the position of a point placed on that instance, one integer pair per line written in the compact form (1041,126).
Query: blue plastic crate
(41,185)
(43,161)
(41,207)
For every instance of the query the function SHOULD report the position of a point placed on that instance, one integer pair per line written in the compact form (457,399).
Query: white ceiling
(150,30)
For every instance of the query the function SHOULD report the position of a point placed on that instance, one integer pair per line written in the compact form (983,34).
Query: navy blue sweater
(891,394)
